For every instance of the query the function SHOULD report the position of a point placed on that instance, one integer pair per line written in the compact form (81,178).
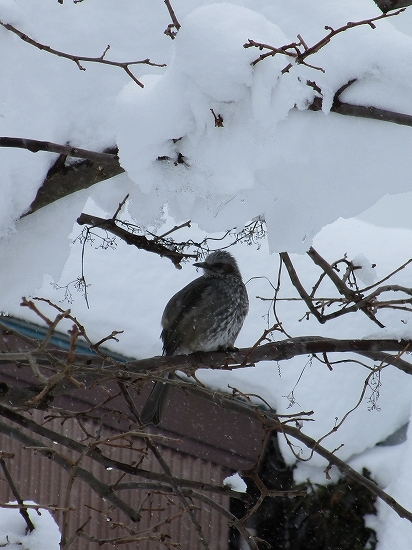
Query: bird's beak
(199,264)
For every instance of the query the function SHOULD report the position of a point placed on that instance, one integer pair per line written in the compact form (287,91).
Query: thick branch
(275,351)
(346,469)
(35,146)
(371,112)
(95,454)
(362,111)
(156,367)
(271,421)
(64,180)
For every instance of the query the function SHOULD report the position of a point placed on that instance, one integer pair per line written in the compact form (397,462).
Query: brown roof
(191,424)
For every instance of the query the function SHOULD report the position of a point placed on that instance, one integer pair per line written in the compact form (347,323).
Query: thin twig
(78,59)
(140,241)
(351,295)
(178,491)
(102,489)
(174,24)
(295,51)
(152,446)
(299,287)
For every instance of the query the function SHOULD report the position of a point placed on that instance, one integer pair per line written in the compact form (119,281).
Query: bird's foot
(227,349)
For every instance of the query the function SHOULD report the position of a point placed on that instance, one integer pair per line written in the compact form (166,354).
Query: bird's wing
(189,297)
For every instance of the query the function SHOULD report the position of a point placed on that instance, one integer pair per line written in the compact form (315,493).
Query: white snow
(341,183)
(236,483)
(365,271)
(13,529)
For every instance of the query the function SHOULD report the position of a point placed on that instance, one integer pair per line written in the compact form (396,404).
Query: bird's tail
(153,408)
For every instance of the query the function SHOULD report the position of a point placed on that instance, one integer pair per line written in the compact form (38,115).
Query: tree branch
(299,51)
(110,463)
(299,287)
(78,59)
(362,111)
(155,367)
(16,494)
(63,180)
(166,470)
(139,241)
(100,488)
(173,27)
(351,295)
(35,146)
(346,469)
(271,421)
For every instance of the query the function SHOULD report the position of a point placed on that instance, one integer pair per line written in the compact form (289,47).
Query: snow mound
(262,156)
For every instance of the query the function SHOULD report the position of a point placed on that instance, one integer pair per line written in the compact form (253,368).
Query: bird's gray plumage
(206,315)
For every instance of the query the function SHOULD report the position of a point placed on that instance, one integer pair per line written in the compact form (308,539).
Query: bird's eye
(218,265)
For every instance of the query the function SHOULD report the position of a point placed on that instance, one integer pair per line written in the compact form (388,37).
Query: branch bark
(62,180)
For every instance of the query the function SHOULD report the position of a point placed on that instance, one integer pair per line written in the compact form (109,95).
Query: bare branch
(34,146)
(100,488)
(356,297)
(164,466)
(174,26)
(78,59)
(271,421)
(347,470)
(14,490)
(299,287)
(111,463)
(139,241)
(299,51)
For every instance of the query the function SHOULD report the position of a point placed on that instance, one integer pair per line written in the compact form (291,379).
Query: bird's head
(219,264)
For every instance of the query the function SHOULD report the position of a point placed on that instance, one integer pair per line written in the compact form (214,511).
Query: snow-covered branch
(363,111)
(299,51)
(34,146)
(388,5)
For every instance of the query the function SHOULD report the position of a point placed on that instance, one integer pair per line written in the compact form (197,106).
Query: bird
(206,315)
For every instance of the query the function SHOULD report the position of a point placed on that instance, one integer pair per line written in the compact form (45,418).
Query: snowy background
(342,184)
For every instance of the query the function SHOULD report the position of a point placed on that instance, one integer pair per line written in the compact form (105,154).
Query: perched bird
(206,315)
